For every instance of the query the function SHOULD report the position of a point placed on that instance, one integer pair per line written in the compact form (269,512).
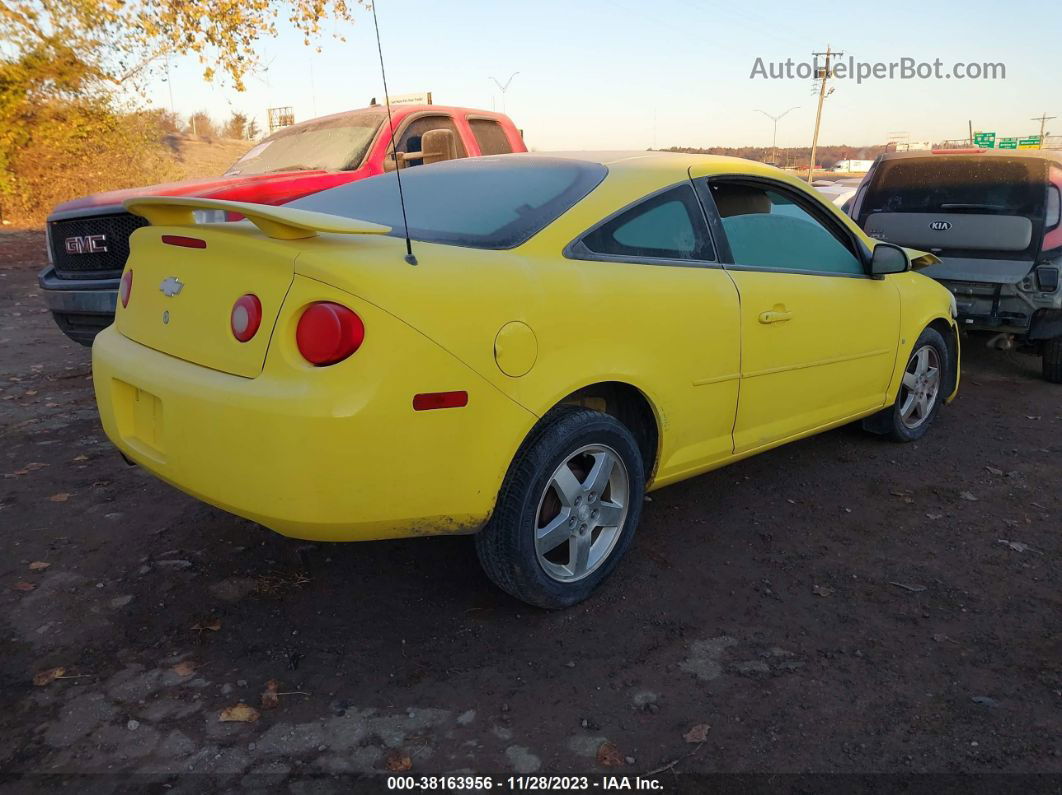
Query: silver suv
(993,217)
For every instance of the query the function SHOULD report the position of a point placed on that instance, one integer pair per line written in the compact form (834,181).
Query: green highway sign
(1008,143)
(985,140)
(1032,142)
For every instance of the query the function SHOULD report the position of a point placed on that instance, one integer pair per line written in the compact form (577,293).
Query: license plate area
(140,419)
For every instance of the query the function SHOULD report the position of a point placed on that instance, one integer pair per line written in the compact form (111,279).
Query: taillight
(328,333)
(181,240)
(126,287)
(246,317)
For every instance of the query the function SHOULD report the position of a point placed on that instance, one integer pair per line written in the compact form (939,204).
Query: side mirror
(435,146)
(887,259)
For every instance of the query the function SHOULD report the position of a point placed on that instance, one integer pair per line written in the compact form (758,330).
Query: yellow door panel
(683,324)
(815,349)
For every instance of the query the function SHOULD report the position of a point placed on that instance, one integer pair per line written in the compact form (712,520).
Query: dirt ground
(843,604)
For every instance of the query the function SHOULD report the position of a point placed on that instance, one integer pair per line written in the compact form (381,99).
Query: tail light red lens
(181,240)
(246,317)
(125,287)
(328,333)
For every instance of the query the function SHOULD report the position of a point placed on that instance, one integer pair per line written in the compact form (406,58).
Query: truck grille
(92,248)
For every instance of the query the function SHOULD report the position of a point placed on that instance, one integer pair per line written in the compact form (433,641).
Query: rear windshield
(484,202)
(958,184)
(330,144)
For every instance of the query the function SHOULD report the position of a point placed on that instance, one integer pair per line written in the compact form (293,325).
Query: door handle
(775,317)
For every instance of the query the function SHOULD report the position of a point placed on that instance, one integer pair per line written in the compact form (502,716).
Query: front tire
(921,391)
(567,511)
(1052,362)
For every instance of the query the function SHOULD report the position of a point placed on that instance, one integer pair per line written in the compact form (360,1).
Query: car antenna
(394,149)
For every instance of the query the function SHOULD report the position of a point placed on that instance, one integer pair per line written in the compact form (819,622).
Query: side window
(490,136)
(409,140)
(669,225)
(766,228)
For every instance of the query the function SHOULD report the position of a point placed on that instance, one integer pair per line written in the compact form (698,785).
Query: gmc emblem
(86,244)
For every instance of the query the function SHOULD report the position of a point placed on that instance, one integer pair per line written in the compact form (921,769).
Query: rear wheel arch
(629,405)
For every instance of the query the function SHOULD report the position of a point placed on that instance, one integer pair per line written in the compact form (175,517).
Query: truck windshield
(338,143)
(484,202)
(960,184)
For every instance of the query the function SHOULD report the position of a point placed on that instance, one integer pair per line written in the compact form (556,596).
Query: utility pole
(969,127)
(774,135)
(825,75)
(1043,118)
(169,84)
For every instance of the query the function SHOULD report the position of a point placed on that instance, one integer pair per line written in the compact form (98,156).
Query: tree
(201,125)
(236,126)
(117,41)
(253,133)
(55,146)
(71,70)
(168,121)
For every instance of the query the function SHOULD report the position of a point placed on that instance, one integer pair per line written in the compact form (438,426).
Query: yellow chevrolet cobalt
(570,331)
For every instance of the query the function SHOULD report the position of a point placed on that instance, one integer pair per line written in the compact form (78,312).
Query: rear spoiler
(281,223)
(921,259)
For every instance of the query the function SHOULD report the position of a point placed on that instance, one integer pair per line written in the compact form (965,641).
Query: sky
(619,74)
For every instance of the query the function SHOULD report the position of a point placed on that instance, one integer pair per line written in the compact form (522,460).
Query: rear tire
(567,510)
(1052,362)
(921,393)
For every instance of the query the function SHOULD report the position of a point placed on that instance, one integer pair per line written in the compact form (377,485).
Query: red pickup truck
(88,238)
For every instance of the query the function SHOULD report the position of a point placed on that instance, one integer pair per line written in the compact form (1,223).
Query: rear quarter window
(491,203)
(490,136)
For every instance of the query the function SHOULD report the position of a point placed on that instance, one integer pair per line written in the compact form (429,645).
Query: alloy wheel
(921,386)
(581,513)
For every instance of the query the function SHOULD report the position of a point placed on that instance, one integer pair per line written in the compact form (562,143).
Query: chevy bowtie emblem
(171,286)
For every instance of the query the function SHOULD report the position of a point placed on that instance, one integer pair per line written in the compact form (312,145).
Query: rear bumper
(313,454)
(984,306)
(81,307)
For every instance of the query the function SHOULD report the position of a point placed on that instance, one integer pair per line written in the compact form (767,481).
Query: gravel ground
(842,604)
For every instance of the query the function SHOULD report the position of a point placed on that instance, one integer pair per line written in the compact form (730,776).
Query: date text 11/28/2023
(531,783)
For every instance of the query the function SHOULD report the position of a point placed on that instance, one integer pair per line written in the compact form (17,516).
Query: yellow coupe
(569,332)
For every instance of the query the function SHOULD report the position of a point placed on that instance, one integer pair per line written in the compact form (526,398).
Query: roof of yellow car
(654,160)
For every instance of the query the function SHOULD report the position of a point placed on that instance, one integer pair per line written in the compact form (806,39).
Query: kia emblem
(940,226)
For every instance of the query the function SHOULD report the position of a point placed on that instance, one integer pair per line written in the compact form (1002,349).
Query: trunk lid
(981,238)
(182,298)
(983,216)
(187,277)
